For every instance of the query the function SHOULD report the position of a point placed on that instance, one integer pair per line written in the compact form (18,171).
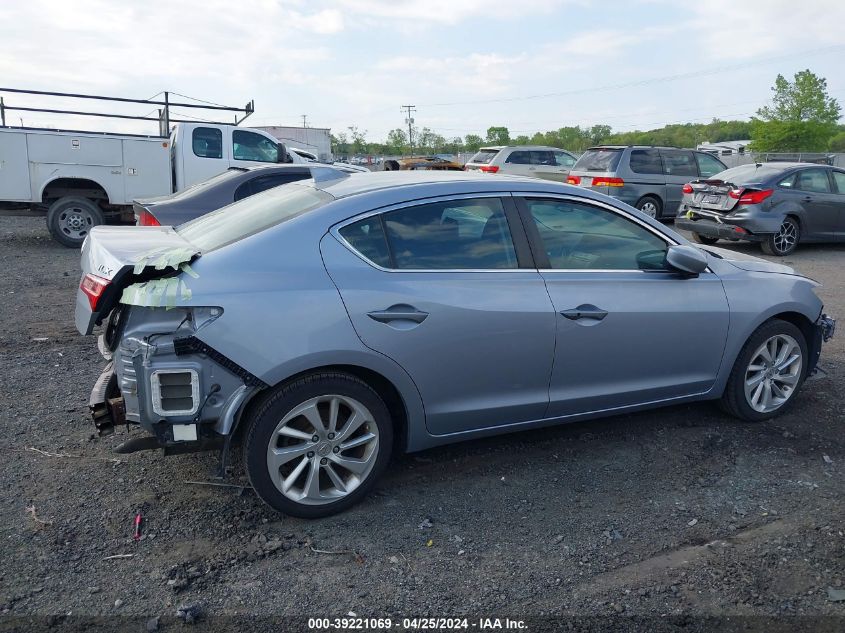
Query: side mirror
(282,156)
(686,259)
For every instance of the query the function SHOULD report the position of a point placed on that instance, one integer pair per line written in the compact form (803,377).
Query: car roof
(400,186)
(501,147)
(637,147)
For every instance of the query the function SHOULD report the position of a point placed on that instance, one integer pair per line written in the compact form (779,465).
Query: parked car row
(330,321)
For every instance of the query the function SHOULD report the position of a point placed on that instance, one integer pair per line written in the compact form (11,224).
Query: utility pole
(409,109)
(304,116)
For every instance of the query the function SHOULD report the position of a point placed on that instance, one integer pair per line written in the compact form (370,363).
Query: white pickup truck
(82,179)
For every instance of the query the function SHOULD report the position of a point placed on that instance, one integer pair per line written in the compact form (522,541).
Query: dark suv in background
(648,178)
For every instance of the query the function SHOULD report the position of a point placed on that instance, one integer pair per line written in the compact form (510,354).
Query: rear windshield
(598,160)
(748,173)
(484,156)
(251,215)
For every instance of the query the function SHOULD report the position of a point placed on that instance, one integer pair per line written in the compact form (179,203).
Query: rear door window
(812,180)
(677,162)
(451,235)
(207,142)
(367,238)
(707,165)
(519,157)
(839,181)
(602,159)
(484,156)
(646,161)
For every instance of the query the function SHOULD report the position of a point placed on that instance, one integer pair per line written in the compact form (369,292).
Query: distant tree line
(801,118)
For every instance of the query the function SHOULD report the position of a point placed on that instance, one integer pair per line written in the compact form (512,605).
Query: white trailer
(81,179)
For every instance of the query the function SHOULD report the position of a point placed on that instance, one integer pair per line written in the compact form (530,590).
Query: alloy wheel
(773,373)
(787,237)
(323,449)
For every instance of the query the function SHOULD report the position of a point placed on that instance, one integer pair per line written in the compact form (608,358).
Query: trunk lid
(120,256)
(711,195)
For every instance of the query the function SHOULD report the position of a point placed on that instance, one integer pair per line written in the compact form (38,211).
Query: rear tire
(698,238)
(651,206)
(301,476)
(785,240)
(760,366)
(70,220)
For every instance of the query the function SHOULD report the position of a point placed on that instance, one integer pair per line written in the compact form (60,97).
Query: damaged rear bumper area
(161,377)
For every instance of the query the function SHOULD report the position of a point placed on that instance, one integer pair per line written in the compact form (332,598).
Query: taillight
(573,180)
(93,287)
(687,188)
(147,219)
(604,181)
(489,169)
(750,197)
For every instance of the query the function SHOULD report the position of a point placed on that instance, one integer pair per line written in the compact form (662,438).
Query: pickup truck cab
(82,179)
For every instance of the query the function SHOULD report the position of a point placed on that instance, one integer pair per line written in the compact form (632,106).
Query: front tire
(785,240)
(70,220)
(769,370)
(316,446)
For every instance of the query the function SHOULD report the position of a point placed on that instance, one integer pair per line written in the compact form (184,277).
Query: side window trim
(535,241)
(521,242)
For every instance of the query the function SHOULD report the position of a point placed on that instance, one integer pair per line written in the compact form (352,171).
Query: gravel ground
(676,512)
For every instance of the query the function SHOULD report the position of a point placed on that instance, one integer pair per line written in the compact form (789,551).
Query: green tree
(472,142)
(397,141)
(498,135)
(598,133)
(802,116)
(359,140)
(837,142)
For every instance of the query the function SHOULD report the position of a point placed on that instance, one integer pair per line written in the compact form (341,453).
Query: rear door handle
(585,311)
(808,198)
(398,313)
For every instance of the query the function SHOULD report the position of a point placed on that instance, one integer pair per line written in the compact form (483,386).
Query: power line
(641,82)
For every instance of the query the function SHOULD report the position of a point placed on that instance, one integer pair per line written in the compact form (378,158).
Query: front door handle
(585,311)
(807,198)
(398,313)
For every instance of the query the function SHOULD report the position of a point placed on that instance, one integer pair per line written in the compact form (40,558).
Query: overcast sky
(466,64)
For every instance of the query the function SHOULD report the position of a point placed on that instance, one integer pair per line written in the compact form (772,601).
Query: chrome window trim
(335,231)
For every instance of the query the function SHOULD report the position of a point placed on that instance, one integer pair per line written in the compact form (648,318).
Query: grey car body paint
(821,216)
(272,283)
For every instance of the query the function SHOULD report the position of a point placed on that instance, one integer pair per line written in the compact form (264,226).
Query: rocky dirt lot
(677,512)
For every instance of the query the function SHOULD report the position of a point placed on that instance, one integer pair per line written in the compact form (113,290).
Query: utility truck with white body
(82,179)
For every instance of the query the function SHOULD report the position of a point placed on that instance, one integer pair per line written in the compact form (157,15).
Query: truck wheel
(71,218)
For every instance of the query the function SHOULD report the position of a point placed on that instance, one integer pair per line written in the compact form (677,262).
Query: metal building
(313,139)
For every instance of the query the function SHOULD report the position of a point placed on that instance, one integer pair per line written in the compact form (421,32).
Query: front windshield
(251,215)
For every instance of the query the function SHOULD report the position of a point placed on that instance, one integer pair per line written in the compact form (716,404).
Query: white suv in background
(536,161)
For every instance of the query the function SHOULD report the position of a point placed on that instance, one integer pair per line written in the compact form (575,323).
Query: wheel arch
(397,405)
(790,314)
(66,185)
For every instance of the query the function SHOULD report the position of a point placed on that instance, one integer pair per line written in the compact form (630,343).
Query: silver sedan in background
(332,321)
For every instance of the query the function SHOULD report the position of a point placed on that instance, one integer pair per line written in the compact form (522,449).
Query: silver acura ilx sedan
(329,322)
